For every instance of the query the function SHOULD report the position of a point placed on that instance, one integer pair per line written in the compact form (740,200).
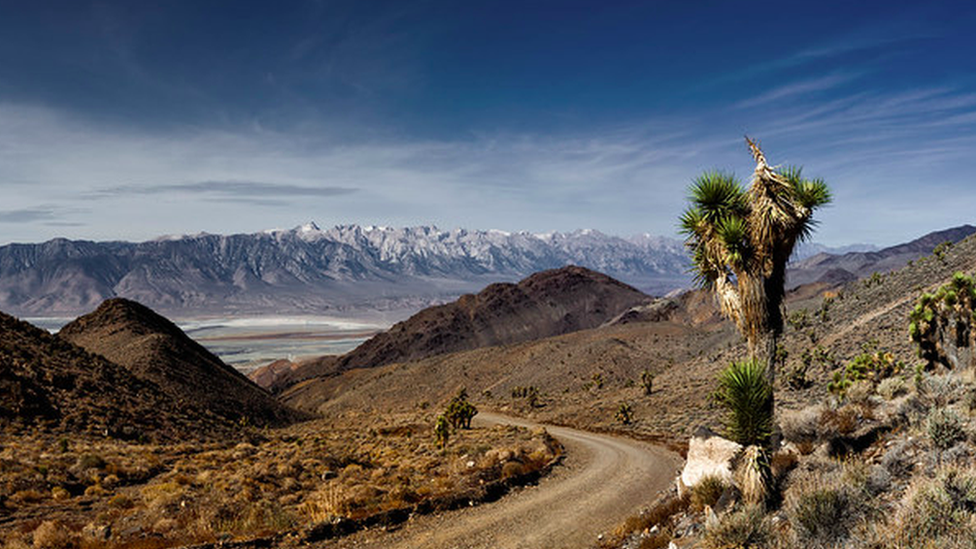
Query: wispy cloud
(795,89)
(234,189)
(27,215)
(874,147)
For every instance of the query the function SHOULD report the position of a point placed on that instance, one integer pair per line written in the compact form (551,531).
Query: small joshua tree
(625,413)
(942,324)
(745,393)
(442,431)
(647,381)
(459,411)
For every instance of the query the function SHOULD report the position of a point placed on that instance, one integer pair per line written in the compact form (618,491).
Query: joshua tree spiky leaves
(741,240)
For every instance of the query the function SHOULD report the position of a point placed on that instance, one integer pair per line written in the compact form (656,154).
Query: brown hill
(545,304)
(50,384)
(154,348)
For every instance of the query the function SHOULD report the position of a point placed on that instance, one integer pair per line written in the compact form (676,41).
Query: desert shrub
(801,425)
(625,413)
(530,394)
(747,397)
(796,376)
(969,400)
(868,366)
(799,320)
(53,535)
(878,480)
(939,510)
(819,515)
(939,390)
(860,393)
(596,382)
(839,421)
(899,459)
(892,388)
(781,464)
(876,279)
(745,528)
(823,508)
(707,492)
(945,429)
(647,381)
(90,461)
(824,312)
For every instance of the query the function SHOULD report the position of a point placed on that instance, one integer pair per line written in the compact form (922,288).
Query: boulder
(708,455)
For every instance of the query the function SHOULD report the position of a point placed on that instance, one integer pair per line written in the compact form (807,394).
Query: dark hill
(50,384)
(154,348)
(836,270)
(545,304)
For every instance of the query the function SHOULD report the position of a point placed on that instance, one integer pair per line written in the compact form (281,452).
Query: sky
(131,120)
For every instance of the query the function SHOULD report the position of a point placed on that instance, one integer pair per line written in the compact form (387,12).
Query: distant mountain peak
(310,227)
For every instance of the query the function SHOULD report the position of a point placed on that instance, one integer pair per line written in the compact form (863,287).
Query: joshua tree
(459,411)
(741,239)
(942,324)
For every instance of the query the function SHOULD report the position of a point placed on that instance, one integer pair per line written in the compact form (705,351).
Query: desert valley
(122,431)
(336,274)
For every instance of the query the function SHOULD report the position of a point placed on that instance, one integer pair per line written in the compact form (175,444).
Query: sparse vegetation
(625,413)
(530,394)
(945,429)
(747,528)
(940,251)
(870,367)
(196,492)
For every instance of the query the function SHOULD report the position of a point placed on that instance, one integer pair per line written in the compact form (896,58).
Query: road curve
(602,480)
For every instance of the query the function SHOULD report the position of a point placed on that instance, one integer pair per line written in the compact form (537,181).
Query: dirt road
(603,480)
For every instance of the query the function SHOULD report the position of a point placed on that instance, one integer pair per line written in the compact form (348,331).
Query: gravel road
(603,480)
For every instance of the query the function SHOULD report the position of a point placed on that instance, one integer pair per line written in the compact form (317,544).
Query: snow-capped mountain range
(311,270)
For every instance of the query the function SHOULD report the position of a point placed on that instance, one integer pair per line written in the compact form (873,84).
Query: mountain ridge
(309,269)
(831,268)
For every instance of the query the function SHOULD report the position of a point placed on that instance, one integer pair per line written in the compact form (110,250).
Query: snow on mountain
(313,269)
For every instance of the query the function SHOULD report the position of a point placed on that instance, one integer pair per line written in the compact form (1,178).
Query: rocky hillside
(545,304)
(49,384)
(309,270)
(155,349)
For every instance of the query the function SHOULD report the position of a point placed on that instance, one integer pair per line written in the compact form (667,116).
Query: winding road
(602,481)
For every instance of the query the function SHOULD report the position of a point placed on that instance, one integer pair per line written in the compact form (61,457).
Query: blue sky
(124,121)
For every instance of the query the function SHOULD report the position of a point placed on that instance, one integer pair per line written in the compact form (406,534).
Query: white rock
(710,456)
